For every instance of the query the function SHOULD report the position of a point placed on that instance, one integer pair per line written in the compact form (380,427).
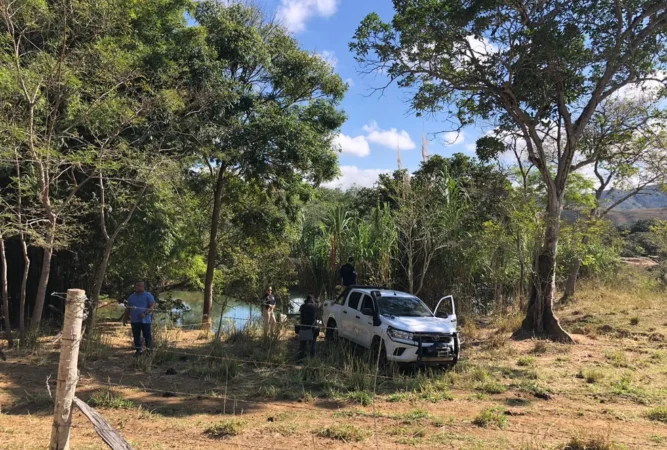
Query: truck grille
(433,337)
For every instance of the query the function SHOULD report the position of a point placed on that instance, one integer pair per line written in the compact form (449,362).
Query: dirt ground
(610,388)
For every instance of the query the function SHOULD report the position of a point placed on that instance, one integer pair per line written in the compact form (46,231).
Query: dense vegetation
(134,145)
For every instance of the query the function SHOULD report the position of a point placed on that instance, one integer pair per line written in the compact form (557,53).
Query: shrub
(399,397)
(364,398)
(109,398)
(491,417)
(346,433)
(491,387)
(658,414)
(590,444)
(634,321)
(592,376)
(226,428)
(526,361)
(540,347)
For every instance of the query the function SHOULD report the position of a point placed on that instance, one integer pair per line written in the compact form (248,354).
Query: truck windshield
(403,307)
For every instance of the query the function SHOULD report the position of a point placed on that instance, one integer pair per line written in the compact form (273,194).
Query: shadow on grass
(239,372)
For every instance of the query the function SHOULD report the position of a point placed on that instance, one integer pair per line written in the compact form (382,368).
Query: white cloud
(357,146)
(391,138)
(353,176)
(295,13)
(329,58)
(350,82)
(482,48)
(471,147)
(645,91)
(454,137)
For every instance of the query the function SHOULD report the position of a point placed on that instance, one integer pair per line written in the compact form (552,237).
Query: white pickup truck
(396,324)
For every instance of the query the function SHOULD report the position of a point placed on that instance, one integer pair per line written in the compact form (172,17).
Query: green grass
(592,376)
(399,397)
(617,358)
(658,414)
(284,429)
(345,433)
(36,401)
(226,428)
(108,398)
(364,398)
(526,361)
(435,396)
(492,417)
(491,387)
(413,416)
(591,444)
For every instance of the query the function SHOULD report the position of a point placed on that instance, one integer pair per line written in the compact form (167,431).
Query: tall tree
(628,140)
(74,92)
(260,109)
(530,65)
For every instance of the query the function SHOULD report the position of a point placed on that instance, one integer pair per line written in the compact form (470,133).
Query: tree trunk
(540,319)
(40,298)
(97,286)
(5,292)
(24,285)
(573,274)
(571,283)
(212,254)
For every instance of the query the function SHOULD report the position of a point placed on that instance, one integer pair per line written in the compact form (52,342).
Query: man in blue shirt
(139,308)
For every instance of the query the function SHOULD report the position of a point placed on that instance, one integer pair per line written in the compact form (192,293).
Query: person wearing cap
(268,315)
(307,327)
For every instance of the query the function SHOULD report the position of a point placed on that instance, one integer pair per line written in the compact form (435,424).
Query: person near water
(268,315)
(307,327)
(347,273)
(139,308)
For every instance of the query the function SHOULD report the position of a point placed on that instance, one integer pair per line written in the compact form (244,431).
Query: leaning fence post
(68,374)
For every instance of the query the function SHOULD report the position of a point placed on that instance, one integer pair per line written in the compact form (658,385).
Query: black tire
(457,351)
(331,334)
(378,346)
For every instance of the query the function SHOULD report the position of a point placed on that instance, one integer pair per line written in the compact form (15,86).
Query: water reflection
(236,315)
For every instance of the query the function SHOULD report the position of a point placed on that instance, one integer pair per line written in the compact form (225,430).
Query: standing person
(139,308)
(347,273)
(307,327)
(268,316)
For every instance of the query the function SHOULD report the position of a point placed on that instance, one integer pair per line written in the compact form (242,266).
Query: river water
(236,314)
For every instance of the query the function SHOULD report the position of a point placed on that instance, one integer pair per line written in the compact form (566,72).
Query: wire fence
(554,430)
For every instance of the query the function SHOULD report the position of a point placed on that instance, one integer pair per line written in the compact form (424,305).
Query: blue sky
(376,124)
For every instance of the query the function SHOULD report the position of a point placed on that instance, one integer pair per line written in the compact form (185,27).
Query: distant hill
(650,204)
(651,197)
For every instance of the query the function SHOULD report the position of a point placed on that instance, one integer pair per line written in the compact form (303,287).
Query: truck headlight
(398,334)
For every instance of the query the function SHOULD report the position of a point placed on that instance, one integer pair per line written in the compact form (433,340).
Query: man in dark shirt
(268,316)
(307,327)
(347,273)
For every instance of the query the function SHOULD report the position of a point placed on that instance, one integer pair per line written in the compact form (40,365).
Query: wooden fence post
(68,373)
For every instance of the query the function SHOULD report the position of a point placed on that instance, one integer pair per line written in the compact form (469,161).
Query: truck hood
(420,324)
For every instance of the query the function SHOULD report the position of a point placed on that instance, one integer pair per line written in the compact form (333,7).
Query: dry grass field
(607,392)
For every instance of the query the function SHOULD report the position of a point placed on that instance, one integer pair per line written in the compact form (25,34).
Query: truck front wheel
(331,334)
(379,352)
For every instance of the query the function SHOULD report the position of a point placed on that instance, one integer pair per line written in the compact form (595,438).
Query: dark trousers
(302,349)
(137,330)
